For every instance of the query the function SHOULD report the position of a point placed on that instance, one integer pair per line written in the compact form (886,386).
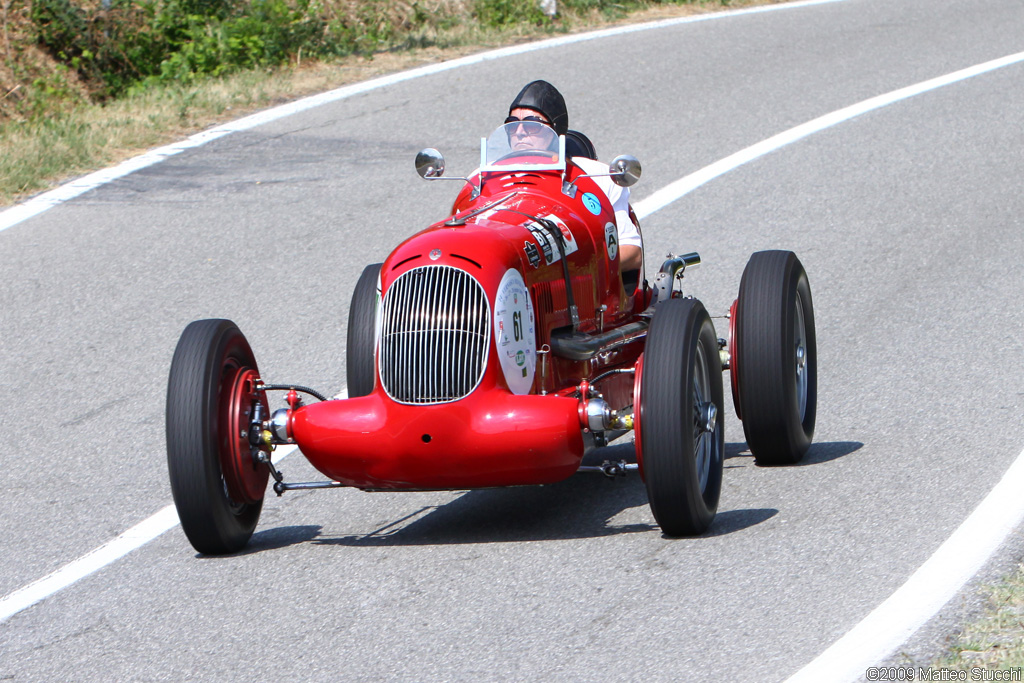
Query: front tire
(217,486)
(362,333)
(682,434)
(776,368)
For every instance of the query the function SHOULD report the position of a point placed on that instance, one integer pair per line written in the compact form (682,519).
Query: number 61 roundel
(514,333)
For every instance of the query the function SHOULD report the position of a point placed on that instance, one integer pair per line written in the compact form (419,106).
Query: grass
(73,136)
(995,642)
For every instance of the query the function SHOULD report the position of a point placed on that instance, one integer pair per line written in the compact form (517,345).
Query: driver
(531,132)
(539,109)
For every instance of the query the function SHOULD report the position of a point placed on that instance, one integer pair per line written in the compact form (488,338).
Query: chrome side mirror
(430,163)
(625,170)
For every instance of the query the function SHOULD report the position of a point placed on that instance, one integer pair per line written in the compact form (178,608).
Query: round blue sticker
(592,203)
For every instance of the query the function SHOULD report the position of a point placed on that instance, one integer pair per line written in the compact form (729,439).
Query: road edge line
(678,189)
(928,589)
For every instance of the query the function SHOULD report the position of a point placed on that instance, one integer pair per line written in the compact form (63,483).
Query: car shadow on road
(730,521)
(829,450)
(278,537)
(817,454)
(583,506)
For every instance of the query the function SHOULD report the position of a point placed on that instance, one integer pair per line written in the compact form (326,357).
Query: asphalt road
(908,220)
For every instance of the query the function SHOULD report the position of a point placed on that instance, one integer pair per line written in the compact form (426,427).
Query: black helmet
(543,97)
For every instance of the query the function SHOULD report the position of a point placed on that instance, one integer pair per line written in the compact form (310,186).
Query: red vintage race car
(498,347)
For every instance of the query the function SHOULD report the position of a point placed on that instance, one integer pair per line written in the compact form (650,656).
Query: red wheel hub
(733,360)
(246,479)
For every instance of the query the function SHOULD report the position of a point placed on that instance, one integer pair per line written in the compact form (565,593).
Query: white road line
(882,631)
(940,578)
(48,200)
(683,186)
(108,553)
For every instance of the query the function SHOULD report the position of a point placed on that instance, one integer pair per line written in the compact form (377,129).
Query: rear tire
(681,387)
(362,333)
(216,485)
(776,358)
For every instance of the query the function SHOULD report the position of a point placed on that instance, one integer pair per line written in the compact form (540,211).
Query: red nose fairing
(490,438)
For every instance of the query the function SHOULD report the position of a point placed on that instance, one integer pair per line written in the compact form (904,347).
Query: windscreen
(523,145)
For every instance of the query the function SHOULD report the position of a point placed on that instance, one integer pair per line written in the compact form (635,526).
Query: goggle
(532,125)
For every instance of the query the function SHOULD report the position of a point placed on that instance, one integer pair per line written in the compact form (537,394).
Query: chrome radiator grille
(435,328)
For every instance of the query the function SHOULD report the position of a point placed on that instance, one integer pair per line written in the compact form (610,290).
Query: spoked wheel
(362,333)
(216,481)
(681,434)
(775,353)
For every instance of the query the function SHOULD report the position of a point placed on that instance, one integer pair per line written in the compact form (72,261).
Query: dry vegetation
(996,641)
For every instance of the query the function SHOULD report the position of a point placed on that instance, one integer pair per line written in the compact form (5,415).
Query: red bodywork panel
(492,437)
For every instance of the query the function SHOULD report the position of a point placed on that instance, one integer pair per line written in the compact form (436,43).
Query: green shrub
(267,34)
(62,27)
(501,13)
(162,40)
